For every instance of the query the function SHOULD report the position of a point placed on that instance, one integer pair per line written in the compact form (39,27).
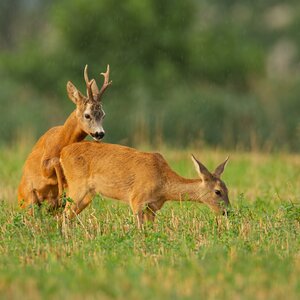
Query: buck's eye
(218,192)
(87,116)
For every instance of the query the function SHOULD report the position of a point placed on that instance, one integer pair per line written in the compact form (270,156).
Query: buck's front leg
(52,167)
(48,166)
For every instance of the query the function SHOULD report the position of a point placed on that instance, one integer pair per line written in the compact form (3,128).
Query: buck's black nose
(98,135)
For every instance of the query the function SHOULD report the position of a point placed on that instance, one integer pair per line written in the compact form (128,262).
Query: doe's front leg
(137,210)
(151,210)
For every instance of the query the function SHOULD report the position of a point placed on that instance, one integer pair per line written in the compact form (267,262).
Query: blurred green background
(216,73)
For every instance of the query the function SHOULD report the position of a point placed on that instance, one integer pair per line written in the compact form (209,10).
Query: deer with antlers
(42,177)
(143,180)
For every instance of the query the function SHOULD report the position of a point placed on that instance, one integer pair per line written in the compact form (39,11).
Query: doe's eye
(218,192)
(87,116)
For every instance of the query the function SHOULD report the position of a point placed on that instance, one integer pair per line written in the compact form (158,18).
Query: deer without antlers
(42,177)
(143,180)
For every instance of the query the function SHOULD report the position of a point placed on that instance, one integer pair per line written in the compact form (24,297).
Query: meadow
(189,253)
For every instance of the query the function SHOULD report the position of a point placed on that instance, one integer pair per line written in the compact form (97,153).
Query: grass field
(188,254)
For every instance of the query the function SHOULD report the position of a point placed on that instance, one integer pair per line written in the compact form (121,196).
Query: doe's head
(89,111)
(214,192)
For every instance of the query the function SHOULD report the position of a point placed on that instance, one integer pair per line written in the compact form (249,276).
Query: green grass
(188,254)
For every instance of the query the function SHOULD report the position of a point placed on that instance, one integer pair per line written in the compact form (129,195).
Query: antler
(89,83)
(106,82)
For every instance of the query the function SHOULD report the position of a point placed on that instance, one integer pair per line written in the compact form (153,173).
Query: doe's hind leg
(84,203)
(80,198)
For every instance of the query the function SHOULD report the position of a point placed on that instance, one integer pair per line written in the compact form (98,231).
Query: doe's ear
(74,95)
(201,169)
(220,169)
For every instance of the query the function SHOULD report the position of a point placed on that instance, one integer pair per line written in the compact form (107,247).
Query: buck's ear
(74,95)
(220,169)
(201,169)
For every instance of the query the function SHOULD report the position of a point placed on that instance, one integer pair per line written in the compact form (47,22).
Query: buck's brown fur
(42,177)
(143,180)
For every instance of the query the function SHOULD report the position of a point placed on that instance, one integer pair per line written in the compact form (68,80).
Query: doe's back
(112,164)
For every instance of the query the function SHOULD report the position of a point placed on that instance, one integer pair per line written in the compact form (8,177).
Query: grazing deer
(143,180)
(42,177)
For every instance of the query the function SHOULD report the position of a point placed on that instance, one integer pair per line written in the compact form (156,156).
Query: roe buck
(42,178)
(143,180)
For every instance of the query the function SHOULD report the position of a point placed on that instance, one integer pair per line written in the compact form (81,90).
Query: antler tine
(106,82)
(88,83)
(86,76)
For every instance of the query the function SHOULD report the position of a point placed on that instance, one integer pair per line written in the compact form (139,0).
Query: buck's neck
(72,131)
(178,188)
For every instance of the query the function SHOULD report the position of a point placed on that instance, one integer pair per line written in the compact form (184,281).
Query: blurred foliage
(218,73)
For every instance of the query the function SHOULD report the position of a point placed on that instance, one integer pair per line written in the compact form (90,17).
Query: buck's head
(214,192)
(89,110)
